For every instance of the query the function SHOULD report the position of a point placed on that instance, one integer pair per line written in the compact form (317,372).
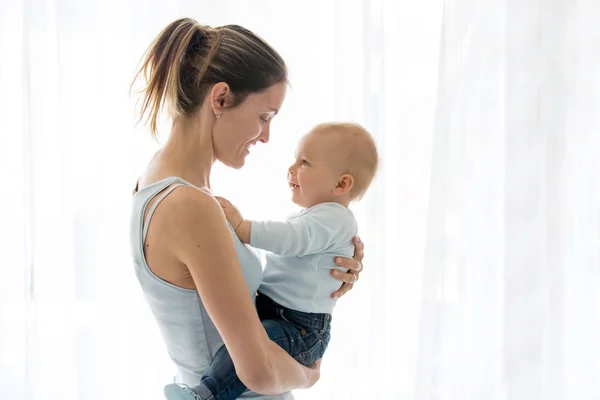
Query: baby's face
(315,173)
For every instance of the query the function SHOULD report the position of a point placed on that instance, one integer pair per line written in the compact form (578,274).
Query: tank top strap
(153,208)
(161,189)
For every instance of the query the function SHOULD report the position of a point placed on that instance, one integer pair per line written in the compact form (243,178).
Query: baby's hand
(232,214)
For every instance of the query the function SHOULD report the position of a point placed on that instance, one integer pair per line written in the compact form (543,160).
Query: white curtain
(482,275)
(511,294)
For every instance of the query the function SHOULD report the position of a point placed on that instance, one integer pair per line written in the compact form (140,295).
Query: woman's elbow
(260,379)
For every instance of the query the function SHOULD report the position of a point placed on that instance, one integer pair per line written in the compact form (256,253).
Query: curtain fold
(513,213)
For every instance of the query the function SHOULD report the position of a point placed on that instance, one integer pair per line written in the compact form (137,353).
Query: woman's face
(241,127)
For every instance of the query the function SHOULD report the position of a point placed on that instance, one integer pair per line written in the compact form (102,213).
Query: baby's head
(335,162)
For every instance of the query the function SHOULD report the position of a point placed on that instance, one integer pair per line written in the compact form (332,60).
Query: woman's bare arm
(200,238)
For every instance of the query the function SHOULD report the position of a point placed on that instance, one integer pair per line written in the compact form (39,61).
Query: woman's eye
(264,120)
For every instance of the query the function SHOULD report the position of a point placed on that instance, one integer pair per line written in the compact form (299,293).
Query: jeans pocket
(314,352)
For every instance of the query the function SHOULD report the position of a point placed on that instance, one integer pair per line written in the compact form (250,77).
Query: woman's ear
(344,184)
(220,97)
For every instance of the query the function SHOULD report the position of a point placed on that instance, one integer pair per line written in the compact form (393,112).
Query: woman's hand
(353,264)
(315,373)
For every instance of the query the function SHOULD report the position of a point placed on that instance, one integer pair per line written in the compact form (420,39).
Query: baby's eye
(304,162)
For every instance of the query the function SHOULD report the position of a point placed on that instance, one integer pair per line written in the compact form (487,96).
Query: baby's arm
(243,231)
(233,215)
(323,228)
(310,234)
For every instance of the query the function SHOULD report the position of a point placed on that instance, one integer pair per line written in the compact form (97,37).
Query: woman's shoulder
(190,203)
(193,195)
(178,189)
(182,206)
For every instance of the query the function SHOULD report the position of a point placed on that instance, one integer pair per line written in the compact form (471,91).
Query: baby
(335,164)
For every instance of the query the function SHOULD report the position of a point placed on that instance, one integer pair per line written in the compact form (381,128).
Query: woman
(222,86)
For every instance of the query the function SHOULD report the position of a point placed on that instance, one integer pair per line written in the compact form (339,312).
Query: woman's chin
(237,163)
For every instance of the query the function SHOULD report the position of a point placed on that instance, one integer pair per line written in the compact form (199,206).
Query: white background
(482,230)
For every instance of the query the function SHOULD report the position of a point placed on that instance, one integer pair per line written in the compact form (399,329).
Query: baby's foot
(180,392)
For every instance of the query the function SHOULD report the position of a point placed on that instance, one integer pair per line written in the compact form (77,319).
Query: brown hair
(357,148)
(187,58)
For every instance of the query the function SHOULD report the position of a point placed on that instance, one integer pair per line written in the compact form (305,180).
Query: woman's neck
(189,152)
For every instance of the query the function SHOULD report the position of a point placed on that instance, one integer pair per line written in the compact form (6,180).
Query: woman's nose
(265,135)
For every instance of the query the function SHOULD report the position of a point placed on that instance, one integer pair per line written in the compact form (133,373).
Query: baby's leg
(310,331)
(221,381)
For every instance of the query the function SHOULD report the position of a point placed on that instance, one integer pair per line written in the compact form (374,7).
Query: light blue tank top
(190,336)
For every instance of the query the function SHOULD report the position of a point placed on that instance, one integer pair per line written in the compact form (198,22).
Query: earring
(218,114)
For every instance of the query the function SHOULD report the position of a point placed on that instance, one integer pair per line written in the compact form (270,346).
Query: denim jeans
(304,336)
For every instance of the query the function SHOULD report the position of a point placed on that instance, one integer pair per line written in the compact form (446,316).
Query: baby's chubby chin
(296,198)
(300,200)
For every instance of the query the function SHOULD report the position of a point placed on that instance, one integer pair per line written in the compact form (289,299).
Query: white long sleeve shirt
(302,249)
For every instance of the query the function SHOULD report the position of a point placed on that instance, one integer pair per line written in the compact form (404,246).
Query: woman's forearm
(284,373)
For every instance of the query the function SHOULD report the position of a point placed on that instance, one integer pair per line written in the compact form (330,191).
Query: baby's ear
(344,184)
